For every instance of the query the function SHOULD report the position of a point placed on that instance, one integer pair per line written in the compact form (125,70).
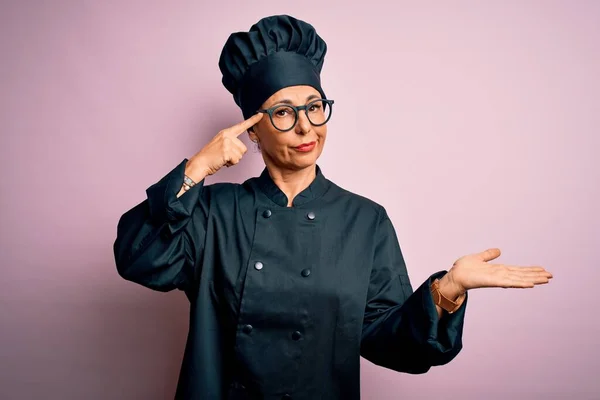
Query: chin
(302,161)
(305,162)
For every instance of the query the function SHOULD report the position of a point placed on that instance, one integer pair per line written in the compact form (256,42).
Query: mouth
(306,147)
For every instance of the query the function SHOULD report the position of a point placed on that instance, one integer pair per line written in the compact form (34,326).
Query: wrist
(196,170)
(449,287)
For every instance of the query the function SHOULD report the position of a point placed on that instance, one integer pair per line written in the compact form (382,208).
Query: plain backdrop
(475,123)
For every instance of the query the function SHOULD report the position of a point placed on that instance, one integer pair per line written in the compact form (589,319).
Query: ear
(252,135)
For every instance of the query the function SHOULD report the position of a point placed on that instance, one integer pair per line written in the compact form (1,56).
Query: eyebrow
(288,101)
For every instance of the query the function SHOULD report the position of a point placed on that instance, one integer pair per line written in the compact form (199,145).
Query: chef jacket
(283,300)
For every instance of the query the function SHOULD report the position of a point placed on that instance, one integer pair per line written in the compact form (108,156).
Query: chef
(290,277)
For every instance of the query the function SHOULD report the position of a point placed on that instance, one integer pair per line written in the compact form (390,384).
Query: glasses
(285,117)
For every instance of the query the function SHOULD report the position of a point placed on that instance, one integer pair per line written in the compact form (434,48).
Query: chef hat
(277,52)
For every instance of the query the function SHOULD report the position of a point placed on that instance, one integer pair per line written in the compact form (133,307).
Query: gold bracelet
(442,301)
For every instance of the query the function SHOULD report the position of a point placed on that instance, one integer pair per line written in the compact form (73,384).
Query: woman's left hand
(474,271)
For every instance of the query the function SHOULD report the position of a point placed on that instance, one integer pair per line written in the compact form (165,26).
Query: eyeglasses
(285,117)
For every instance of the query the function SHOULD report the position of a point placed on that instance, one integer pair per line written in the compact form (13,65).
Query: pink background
(475,123)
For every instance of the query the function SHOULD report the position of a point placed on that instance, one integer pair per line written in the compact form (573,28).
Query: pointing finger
(243,126)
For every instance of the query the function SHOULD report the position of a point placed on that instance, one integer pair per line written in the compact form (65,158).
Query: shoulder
(220,192)
(356,202)
(222,188)
(231,191)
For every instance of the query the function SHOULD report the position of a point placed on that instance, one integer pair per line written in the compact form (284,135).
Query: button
(311,215)
(237,385)
(296,335)
(247,329)
(267,213)
(258,265)
(305,272)
(286,397)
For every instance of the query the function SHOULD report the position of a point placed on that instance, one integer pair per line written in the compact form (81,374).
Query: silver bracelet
(188,181)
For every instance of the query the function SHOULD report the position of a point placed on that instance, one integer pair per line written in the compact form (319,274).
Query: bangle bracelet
(188,181)
(442,301)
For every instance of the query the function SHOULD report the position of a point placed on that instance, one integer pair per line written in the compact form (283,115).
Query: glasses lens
(284,118)
(318,112)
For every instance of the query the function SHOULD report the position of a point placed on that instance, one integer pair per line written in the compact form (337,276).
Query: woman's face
(297,148)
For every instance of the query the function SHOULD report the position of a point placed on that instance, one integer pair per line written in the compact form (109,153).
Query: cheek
(275,143)
(322,133)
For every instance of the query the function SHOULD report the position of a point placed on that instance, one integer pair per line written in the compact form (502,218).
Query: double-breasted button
(305,272)
(267,213)
(297,335)
(258,265)
(311,215)
(247,329)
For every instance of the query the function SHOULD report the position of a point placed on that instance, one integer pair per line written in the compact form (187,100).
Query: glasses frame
(297,109)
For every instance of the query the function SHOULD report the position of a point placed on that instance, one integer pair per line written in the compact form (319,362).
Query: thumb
(489,254)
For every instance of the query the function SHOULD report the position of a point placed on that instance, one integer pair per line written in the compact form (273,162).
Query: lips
(306,146)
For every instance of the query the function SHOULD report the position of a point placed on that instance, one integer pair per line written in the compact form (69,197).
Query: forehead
(296,94)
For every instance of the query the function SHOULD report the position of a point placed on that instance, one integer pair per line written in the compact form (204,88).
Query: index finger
(243,126)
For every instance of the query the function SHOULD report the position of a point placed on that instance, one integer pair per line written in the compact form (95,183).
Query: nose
(303,126)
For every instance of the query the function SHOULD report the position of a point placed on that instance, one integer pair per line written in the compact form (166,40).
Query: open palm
(475,271)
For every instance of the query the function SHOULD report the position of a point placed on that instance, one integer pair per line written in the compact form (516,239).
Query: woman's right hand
(224,149)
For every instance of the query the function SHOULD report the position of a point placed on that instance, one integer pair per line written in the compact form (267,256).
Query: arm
(402,329)
(159,240)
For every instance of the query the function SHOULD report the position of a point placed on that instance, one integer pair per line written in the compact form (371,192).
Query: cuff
(445,333)
(165,206)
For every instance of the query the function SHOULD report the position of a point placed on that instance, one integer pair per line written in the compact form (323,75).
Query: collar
(316,189)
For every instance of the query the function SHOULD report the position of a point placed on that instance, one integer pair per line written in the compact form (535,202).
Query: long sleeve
(402,330)
(159,240)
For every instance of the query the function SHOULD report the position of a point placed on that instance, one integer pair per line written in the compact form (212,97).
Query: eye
(314,107)
(283,112)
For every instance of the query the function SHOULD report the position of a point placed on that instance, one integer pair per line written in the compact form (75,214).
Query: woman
(290,277)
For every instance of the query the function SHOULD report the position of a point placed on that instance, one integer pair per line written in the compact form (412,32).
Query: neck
(292,182)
